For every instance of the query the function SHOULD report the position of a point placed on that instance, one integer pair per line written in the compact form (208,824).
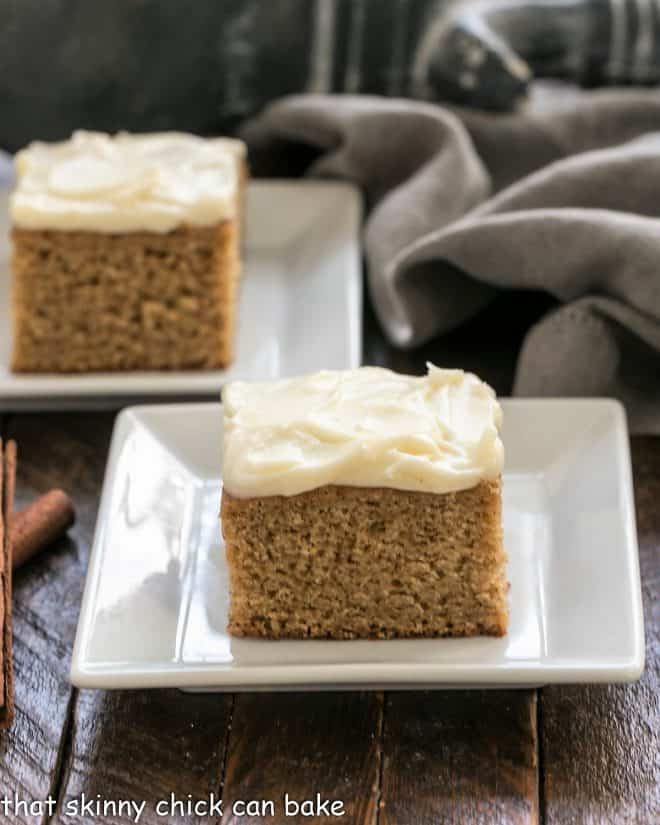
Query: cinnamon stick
(7,480)
(40,524)
(21,536)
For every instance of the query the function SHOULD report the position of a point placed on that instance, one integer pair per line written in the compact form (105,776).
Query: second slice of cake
(364,504)
(126,252)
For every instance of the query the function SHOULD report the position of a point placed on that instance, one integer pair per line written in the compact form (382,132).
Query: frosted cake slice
(364,504)
(126,252)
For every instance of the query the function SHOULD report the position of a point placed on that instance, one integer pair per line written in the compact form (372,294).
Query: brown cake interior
(354,562)
(85,301)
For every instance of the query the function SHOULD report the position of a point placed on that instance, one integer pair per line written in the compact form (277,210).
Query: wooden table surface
(585,754)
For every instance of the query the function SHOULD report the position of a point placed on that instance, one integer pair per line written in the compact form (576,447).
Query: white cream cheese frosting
(127,183)
(367,427)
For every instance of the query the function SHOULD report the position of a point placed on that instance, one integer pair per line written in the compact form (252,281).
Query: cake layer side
(352,562)
(87,301)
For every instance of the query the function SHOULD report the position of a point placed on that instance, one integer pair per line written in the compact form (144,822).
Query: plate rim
(365,675)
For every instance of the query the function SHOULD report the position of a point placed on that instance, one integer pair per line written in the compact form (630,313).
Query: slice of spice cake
(126,252)
(364,504)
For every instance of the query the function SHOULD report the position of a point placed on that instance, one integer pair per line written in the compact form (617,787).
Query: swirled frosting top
(126,183)
(367,427)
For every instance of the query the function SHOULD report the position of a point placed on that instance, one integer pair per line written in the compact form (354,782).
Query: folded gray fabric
(6,170)
(464,203)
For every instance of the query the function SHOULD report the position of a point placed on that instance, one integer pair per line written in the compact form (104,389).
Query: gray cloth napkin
(6,170)
(464,203)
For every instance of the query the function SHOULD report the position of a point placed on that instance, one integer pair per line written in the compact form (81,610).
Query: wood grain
(460,756)
(143,746)
(303,744)
(45,600)
(601,744)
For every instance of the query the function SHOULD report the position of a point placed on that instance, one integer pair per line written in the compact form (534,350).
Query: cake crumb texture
(351,562)
(89,301)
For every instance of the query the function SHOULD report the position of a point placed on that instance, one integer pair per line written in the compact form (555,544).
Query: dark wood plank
(142,746)
(460,756)
(303,744)
(45,601)
(601,743)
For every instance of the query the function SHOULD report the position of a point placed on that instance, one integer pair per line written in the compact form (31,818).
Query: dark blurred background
(203,66)
(199,66)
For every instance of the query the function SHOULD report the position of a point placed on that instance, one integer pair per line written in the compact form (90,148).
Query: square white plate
(300,305)
(154,612)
